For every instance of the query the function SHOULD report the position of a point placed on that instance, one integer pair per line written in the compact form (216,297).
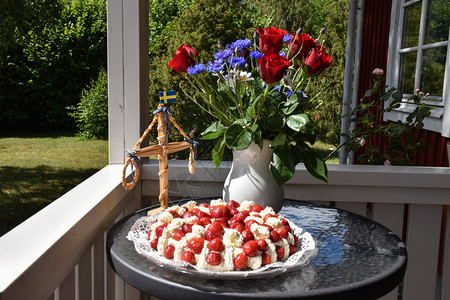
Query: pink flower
(387,162)
(378,72)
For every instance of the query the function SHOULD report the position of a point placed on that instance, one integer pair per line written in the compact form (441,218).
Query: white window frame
(439,121)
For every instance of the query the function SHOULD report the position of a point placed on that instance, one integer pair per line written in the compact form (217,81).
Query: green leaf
(282,165)
(237,136)
(275,123)
(301,123)
(279,140)
(315,165)
(274,98)
(218,151)
(287,110)
(214,127)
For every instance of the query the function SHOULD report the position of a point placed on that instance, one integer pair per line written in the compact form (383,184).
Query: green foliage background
(91,113)
(50,50)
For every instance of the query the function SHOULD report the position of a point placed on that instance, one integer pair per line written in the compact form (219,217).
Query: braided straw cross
(162,150)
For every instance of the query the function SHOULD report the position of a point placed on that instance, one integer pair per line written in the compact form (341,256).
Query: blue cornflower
(196,69)
(241,44)
(287,38)
(282,54)
(256,54)
(224,54)
(236,60)
(215,66)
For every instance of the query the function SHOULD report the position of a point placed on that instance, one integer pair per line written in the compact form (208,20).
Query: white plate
(305,252)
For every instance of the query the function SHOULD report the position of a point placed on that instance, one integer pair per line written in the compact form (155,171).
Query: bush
(91,114)
(47,62)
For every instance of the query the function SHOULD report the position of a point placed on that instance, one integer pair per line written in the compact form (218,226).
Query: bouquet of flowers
(259,90)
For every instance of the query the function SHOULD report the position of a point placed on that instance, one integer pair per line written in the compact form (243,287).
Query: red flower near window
(300,45)
(184,57)
(271,38)
(272,67)
(317,61)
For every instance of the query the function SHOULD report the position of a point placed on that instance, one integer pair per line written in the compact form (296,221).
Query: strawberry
(199,213)
(241,261)
(223,221)
(249,223)
(268,216)
(214,258)
(187,228)
(149,234)
(215,244)
(256,208)
(196,245)
(291,250)
(168,251)
(262,245)
(204,205)
(238,226)
(174,214)
(205,221)
(214,230)
(178,235)
(250,248)
(242,215)
(154,243)
(247,235)
(232,204)
(220,211)
(189,257)
(234,210)
(233,220)
(159,230)
(280,252)
(275,236)
(265,259)
(282,232)
(188,214)
(296,241)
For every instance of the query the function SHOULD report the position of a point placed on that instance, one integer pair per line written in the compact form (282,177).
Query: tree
(49,62)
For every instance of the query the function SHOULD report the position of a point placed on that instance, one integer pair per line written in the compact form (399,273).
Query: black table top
(358,259)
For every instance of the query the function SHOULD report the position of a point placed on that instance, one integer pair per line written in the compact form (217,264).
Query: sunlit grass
(36,171)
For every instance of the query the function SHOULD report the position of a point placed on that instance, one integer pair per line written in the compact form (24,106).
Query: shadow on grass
(25,191)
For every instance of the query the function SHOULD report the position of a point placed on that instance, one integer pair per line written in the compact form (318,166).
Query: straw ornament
(162,117)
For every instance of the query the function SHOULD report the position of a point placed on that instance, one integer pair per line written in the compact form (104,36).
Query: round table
(358,259)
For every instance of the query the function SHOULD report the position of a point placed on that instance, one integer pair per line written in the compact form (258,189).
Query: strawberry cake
(221,236)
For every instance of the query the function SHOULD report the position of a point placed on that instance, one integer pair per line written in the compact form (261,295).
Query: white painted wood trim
(128,75)
(347,183)
(56,238)
(422,241)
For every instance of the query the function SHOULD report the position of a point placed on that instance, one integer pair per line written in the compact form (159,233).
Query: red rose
(184,58)
(272,67)
(317,61)
(271,38)
(300,45)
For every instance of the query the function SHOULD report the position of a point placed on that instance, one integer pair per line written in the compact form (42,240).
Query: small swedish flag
(168,97)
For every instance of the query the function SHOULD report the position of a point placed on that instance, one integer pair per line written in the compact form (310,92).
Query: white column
(128,73)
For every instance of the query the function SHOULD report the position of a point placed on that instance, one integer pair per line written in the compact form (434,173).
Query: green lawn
(325,150)
(36,171)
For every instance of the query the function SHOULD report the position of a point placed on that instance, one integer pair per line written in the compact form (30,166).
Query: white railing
(59,252)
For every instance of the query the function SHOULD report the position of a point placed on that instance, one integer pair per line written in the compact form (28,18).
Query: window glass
(407,72)
(438,21)
(411,25)
(433,70)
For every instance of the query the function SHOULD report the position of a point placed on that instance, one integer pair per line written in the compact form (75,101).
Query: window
(419,58)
